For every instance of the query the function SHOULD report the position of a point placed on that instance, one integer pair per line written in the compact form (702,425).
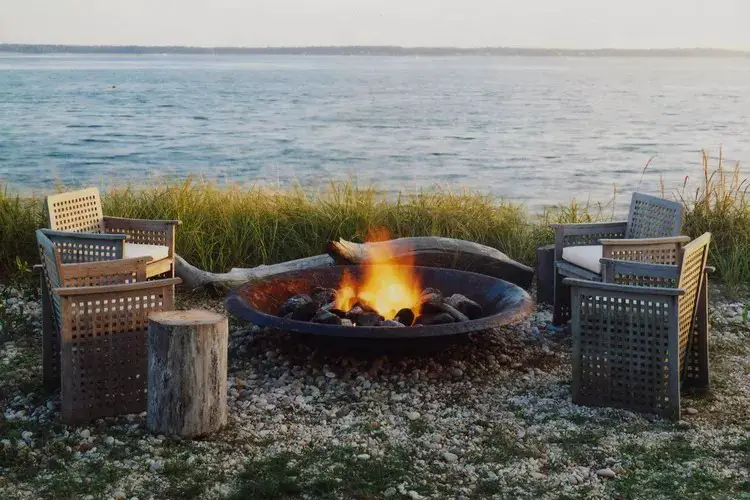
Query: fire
(385,287)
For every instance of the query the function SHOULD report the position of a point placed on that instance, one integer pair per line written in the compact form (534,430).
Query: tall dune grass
(232,226)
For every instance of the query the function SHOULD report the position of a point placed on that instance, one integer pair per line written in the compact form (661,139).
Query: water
(538,130)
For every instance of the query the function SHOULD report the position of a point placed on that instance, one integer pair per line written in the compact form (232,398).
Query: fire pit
(263,302)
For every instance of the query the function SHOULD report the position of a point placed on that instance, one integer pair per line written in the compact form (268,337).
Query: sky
(462,23)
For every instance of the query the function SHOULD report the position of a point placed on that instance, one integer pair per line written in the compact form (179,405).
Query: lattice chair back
(652,217)
(694,257)
(76,211)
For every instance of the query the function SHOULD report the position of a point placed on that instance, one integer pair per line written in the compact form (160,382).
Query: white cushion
(156,252)
(586,256)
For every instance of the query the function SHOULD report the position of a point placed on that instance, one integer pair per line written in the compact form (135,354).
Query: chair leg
(561,312)
(698,367)
(50,342)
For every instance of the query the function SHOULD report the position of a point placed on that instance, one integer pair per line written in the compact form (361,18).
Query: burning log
(465,305)
(434,319)
(405,316)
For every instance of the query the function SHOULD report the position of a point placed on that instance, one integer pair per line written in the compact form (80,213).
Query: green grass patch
(322,473)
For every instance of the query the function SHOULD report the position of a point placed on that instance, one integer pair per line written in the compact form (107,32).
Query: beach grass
(228,225)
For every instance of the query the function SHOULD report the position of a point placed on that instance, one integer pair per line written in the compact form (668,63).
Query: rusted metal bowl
(259,301)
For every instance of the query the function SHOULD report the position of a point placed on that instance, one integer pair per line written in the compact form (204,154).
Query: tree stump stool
(187,372)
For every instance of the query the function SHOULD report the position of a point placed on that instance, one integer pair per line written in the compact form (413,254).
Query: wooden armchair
(81,212)
(95,344)
(635,346)
(651,234)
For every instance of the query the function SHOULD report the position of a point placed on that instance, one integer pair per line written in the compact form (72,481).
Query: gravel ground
(487,417)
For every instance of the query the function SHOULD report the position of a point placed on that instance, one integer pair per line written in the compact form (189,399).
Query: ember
(432,309)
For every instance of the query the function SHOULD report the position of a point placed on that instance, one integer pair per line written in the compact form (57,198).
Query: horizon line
(375,47)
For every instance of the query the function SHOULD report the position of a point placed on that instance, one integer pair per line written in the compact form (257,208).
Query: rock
(323,295)
(465,305)
(391,323)
(109,441)
(413,415)
(368,319)
(346,322)
(450,457)
(85,434)
(691,411)
(363,456)
(455,313)
(431,301)
(405,317)
(457,372)
(326,318)
(538,475)
(155,466)
(119,495)
(491,476)
(413,495)
(606,472)
(330,375)
(298,307)
(390,492)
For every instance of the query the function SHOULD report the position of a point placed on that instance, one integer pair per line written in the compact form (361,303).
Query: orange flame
(386,286)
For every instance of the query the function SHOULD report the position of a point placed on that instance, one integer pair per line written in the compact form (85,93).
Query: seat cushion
(156,252)
(586,256)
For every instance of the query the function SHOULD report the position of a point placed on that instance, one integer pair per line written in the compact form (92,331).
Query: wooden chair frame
(635,346)
(95,340)
(81,212)
(651,234)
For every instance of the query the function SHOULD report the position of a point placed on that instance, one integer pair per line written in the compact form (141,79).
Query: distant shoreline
(366,51)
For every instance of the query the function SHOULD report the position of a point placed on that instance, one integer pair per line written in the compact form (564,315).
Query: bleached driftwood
(193,278)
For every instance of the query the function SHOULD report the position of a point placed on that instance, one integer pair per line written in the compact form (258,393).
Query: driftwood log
(423,251)
(193,278)
(433,251)
(187,372)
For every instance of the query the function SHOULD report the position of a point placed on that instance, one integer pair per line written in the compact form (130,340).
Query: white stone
(330,375)
(606,472)
(155,466)
(691,411)
(109,441)
(538,475)
(413,415)
(390,492)
(85,433)
(119,495)
(450,457)
(363,456)
(413,495)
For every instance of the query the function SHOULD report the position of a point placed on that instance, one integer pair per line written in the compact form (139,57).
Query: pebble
(390,492)
(491,476)
(457,372)
(109,441)
(538,475)
(691,411)
(413,415)
(85,433)
(119,495)
(155,466)
(363,456)
(607,472)
(413,495)
(450,457)
(330,375)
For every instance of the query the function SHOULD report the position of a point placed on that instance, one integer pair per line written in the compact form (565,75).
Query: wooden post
(545,274)
(187,372)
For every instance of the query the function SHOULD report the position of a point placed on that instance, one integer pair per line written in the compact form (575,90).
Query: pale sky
(463,23)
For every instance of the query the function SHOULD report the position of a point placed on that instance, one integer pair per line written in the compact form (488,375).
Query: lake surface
(534,129)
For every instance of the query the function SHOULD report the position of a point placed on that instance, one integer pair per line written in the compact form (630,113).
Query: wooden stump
(187,372)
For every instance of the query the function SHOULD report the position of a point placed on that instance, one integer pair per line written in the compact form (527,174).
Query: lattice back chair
(650,234)
(632,344)
(100,312)
(81,212)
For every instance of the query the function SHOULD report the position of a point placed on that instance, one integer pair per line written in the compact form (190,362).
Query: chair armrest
(592,227)
(83,237)
(138,224)
(613,267)
(105,272)
(668,240)
(626,289)
(104,289)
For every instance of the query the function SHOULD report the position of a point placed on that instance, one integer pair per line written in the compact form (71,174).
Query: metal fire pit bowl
(259,301)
